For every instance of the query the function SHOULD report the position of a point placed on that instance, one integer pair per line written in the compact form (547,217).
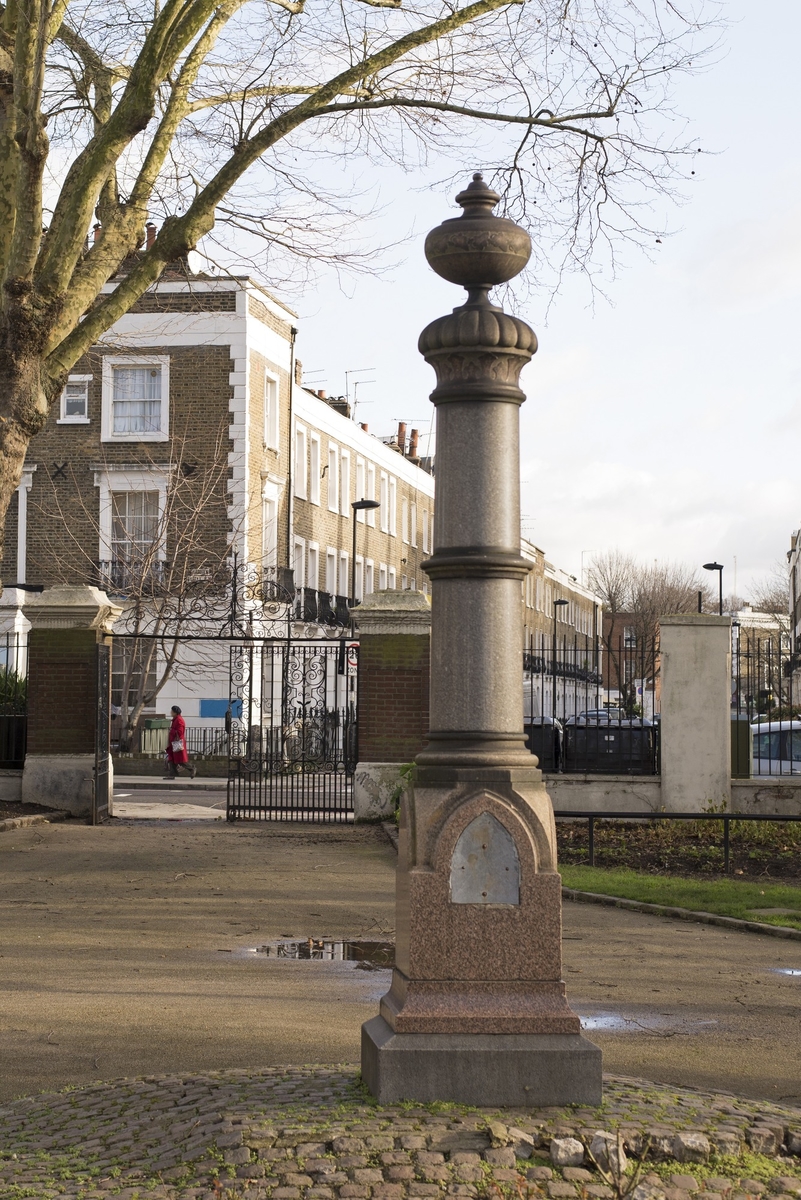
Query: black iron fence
(592,705)
(766,700)
(13,700)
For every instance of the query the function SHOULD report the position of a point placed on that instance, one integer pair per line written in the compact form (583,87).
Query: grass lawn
(726,897)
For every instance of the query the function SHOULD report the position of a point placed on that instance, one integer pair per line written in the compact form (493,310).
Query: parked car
(600,716)
(776,748)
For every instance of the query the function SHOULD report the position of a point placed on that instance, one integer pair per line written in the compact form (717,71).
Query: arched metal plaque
(485,868)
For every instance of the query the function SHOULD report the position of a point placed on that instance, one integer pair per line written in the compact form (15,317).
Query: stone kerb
(394,653)
(695,733)
(66,624)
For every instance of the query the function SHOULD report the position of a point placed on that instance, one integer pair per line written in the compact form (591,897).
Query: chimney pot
(413,439)
(364,427)
(150,230)
(402,436)
(97,231)
(322,394)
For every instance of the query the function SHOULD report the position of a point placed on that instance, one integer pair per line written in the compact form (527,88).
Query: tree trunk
(23,410)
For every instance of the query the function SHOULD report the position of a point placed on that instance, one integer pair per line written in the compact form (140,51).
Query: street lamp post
(715,566)
(357,506)
(557,604)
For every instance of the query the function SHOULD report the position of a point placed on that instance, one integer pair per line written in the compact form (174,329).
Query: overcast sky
(666,423)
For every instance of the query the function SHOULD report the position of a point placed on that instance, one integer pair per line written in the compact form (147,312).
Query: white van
(776,748)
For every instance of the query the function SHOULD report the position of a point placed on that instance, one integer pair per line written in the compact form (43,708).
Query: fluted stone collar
(475,326)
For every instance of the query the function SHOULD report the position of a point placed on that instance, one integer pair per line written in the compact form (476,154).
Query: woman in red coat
(176,746)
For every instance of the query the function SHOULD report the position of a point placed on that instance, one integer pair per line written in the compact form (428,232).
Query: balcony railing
(125,577)
(322,608)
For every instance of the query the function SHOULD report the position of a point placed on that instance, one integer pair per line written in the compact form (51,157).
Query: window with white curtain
(413,522)
(405,521)
(135,404)
(425,531)
(368,577)
(382,577)
(393,579)
(344,581)
(134,526)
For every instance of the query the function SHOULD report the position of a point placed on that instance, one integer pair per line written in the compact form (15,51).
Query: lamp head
(559,603)
(360,505)
(713,566)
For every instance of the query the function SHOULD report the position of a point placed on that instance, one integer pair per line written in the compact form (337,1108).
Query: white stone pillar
(695,683)
(25,484)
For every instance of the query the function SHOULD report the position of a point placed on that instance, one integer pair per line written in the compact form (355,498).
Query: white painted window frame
(129,480)
(64,419)
(300,450)
(393,506)
(314,468)
(110,361)
(299,556)
(333,477)
(270,497)
(383,495)
(405,521)
(371,493)
(344,484)
(271,430)
(331,570)
(360,487)
(313,566)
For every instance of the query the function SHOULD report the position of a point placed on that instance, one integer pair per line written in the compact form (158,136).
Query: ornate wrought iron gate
(292,730)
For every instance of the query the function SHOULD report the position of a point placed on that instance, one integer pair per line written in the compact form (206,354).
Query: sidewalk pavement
(311,1133)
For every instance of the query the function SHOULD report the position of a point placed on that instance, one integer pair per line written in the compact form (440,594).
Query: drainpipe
(290,504)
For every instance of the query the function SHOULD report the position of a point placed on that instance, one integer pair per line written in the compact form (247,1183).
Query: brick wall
(393,697)
(62,691)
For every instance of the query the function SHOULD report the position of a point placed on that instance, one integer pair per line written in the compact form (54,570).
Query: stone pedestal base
(511,1070)
(60,781)
(375,790)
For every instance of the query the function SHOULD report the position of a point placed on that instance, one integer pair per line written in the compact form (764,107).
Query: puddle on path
(657,1024)
(364,954)
(785,970)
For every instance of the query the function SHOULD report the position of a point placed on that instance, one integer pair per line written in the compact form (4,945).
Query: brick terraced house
(186,435)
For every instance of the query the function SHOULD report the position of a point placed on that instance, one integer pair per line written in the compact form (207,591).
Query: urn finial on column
(478,249)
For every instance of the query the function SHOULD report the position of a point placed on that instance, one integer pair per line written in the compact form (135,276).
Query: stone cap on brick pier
(71,607)
(392,612)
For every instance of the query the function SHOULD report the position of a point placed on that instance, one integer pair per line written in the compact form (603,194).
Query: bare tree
(771,595)
(241,111)
(635,598)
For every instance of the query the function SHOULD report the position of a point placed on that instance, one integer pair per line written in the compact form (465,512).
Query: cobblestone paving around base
(313,1134)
